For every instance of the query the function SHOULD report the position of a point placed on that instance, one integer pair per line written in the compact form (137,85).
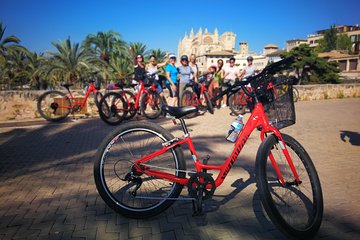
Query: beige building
(208,47)
(348,64)
(352,31)
(290,44)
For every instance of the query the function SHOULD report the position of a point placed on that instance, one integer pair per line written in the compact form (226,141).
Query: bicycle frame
(257,118)
(79,103)
(142,89)
(199,98)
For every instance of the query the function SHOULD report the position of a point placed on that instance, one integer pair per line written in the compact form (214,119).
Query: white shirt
(250,70)
(233,73)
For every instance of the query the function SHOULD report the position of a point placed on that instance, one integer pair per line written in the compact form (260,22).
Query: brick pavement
(47,189)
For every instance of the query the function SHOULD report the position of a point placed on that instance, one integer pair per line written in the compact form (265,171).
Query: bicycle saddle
(67,85)
(178,112)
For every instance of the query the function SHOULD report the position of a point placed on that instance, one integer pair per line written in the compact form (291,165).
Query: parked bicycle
(56,105)
(118,106)
(140,170)
(285,88)
(196,94)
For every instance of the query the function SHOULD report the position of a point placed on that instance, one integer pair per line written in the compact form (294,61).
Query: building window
(342,65)
(353,64)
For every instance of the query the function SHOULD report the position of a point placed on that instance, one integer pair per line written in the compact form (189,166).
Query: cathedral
(209,47)
(206,42)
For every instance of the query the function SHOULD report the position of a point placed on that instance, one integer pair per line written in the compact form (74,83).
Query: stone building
(206,45)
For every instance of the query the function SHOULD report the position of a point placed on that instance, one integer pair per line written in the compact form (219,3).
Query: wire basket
(280,110)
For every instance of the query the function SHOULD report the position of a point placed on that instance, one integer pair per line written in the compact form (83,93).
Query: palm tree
(159,55)
(8,44)
(138,48)
(71,61)
(104,44)
(121,67)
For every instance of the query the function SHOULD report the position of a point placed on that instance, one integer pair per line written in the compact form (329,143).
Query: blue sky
(161,24)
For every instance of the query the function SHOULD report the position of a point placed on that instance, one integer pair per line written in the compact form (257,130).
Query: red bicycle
(118,106)
(56,106)
(196,94)
(139,169)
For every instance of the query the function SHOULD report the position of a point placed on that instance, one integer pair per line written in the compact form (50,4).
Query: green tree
(159,55)
(343,42)
(138,48)
(8,45)
(310,68)
(329,42)
(105,45)
(71,61)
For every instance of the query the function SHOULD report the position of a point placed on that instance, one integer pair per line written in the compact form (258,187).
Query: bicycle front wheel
(54,106)
(295,208)
(115,178)
(151,104)
(112,108)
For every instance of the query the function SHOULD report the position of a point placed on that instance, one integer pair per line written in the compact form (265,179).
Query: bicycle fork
(284,150)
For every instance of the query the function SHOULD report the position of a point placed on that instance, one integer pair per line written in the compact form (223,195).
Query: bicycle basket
(280,110)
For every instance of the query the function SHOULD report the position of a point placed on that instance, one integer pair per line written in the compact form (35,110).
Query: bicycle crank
(201,186)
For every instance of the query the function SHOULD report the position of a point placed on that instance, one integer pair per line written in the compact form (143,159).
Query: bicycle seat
(67,85)
(179,112)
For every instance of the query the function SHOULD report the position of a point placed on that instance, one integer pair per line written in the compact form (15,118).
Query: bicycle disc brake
(201,186)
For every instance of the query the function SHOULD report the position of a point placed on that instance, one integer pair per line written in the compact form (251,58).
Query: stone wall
(20,105)
(328,91)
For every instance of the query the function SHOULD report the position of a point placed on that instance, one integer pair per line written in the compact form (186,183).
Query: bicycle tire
(295,94)
(97,98)
(300,217)
(237,103)
(209,105)
(129,98)
(189,98)
(112,108)
(151,104)
(49,108)
(114,160)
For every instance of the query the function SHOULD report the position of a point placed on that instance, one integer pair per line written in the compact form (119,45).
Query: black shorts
(172,93)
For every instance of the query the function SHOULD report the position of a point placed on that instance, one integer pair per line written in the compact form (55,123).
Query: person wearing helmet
(186,72)
(171,80)
(249,70)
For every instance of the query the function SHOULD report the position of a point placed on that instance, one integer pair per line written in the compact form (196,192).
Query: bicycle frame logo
(234,155)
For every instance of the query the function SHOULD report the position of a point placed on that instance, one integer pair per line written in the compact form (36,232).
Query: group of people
(178,77)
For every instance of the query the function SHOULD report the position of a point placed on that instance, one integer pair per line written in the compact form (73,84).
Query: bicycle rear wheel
(151,104)
(295,94)
(116,179)
(54,106)
(97,98)
(209,105)
(130,102)
(237,103)
(296,209)
(112,108)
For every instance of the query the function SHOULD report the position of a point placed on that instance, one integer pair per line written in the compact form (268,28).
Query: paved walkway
(47,189)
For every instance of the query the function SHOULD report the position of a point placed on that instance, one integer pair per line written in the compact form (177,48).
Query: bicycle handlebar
(259,80)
